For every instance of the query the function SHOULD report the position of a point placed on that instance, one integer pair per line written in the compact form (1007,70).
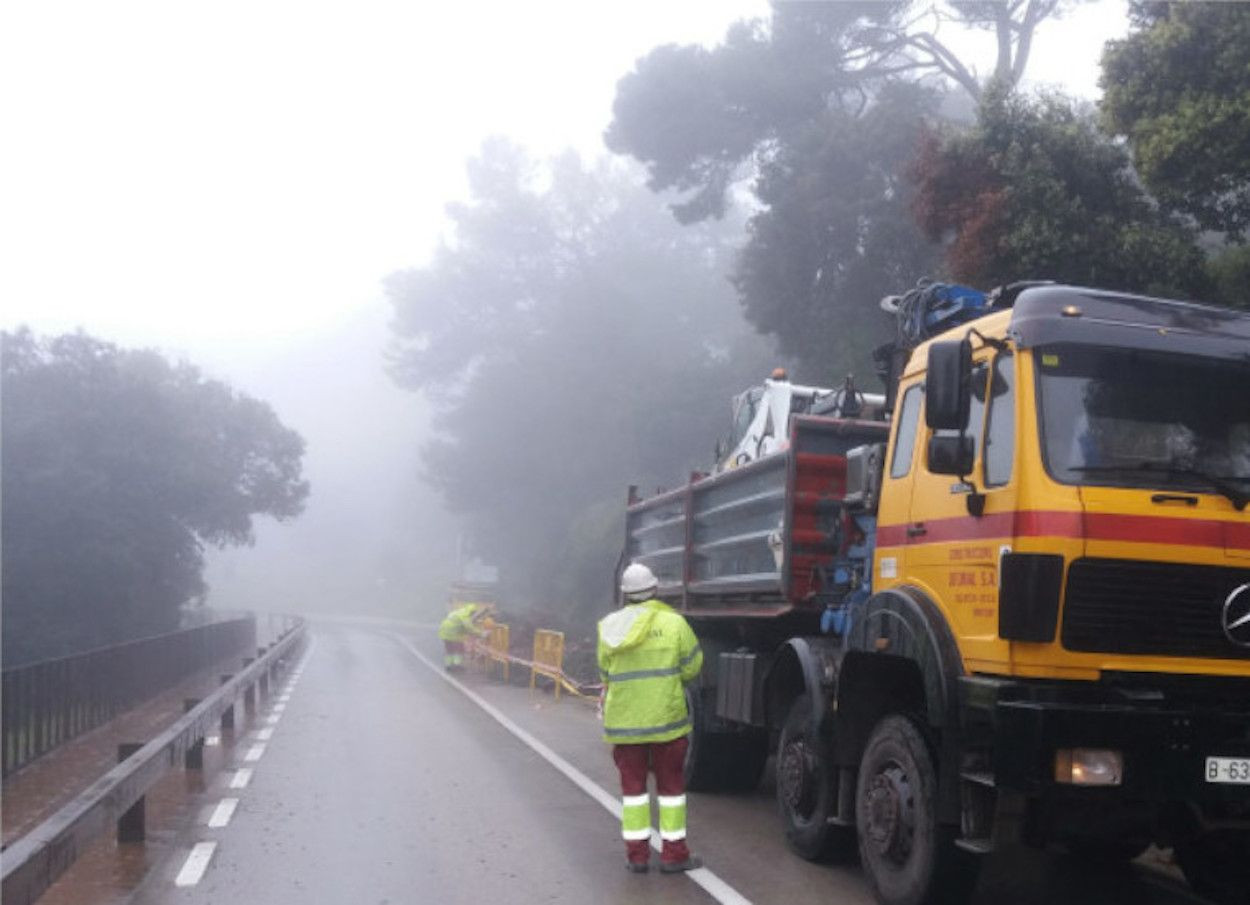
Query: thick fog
(400,228)
(374,539)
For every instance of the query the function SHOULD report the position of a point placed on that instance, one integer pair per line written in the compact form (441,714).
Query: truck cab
(1065,498)
(1007,604)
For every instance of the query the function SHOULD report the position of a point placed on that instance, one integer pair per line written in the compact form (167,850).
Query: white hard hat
(637,579)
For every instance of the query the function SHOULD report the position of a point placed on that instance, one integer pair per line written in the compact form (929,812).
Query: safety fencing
(48,703)
(547,660)
(496,650)
(117,800)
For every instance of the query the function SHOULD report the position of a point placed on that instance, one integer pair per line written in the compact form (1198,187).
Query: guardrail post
(264,676)
(194,758)
(249,693)
(131,826)
(227,715)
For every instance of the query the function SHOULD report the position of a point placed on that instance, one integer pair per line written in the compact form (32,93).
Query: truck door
(895,506)
(953,553)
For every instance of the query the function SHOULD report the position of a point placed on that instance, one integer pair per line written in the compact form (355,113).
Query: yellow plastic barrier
(497,648)
(548,658)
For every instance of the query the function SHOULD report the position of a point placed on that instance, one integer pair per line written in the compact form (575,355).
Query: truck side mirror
(948,385)
(951,455)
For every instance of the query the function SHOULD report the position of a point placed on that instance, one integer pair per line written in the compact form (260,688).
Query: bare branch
(1036,11)
(945,60)
(1002,28)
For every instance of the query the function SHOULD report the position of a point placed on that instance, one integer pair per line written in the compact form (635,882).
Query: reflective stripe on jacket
(647,652)
(458,624)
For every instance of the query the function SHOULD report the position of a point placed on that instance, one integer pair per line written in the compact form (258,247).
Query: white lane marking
(712,884)
(241,778)
(273,718)
(254,753)
(283,698)
(195,865)
(264,734)
(212,740)
(223,812)
(278,708)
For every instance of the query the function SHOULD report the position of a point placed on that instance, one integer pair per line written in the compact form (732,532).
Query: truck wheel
(721,761)
(908,858)
(805,790)
(1215,864)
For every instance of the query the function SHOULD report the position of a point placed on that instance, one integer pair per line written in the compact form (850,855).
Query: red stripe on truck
(1141,529)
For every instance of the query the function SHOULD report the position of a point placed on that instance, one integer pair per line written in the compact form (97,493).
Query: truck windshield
(1133,418)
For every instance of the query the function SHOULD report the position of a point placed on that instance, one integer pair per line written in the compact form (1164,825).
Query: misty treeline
(817,159)
(574,338)
(118,467)
(875,156)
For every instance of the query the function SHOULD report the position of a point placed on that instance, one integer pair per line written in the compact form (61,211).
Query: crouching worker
(647,653)
(461,623)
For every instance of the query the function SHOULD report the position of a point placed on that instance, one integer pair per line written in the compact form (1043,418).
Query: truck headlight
(1089,767)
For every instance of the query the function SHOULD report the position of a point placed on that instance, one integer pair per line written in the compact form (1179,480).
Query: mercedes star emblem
(1236,617)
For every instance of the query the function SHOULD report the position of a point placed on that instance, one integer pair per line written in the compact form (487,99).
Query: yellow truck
(1013,609)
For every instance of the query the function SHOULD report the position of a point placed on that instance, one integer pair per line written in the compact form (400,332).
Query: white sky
(230,180)
(225,172)
(232,173)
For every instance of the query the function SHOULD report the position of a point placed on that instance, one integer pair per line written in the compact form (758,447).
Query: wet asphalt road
(381,784)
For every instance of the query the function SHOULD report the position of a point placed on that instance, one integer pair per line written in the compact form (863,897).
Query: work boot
(637,867)
(676,867)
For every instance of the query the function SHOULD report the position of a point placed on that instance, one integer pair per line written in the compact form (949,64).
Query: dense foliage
(1179,88)
(118,467)
(576,339)
(822,105)
(1035,190)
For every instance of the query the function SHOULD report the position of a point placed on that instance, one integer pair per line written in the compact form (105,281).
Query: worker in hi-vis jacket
(461,623)
(647,653)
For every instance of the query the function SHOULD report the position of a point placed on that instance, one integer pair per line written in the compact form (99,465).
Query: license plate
(1229,769)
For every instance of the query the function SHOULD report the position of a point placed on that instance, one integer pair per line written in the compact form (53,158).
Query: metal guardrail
(48,703)
(31,864)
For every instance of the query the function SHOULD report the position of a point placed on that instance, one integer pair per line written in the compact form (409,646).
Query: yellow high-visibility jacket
(458,624)
(647,653)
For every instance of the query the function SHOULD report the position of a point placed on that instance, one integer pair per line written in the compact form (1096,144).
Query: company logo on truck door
(1236,616)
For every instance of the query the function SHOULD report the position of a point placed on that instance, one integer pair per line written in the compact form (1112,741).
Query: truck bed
(708,542)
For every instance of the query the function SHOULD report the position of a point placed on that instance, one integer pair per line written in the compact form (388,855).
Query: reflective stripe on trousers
(636,817)
(672,817)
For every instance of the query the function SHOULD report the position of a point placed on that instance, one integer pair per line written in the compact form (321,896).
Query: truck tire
(908,858)
(1215,864)
(721,761)
(806,791)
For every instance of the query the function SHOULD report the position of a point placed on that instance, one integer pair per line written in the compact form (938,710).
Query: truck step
(978,777)
(977,845)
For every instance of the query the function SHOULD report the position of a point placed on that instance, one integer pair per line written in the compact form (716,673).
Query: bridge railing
(48,703)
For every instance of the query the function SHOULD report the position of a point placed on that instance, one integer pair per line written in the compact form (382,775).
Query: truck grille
(1170,609)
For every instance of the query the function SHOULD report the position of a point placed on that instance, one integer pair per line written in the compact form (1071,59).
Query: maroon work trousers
(666,760)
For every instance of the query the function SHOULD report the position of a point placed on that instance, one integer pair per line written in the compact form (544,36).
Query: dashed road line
(223,812)
(712,884)
(195,865)
(202,853)
(241,778)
